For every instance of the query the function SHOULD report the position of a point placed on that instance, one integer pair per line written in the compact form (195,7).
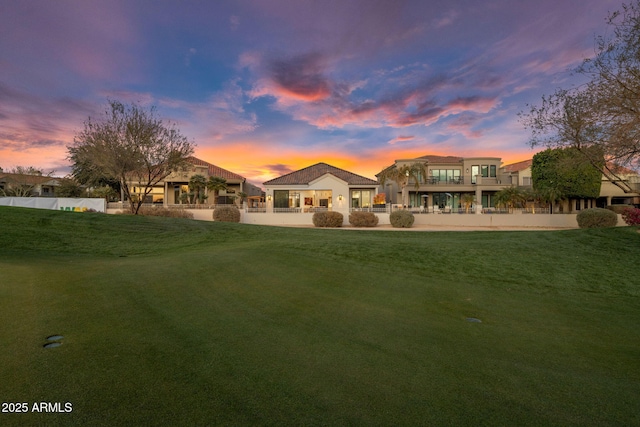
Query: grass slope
(179,322)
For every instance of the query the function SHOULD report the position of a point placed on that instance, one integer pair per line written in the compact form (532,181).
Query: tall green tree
(403,175)
(602,116)
(567,173)
(132,145)
(68,187)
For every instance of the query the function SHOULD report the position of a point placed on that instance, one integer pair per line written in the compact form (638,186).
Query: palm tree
(402,175)
(197,184)
(216,184)
(550,196)
(467,200)
(511,197)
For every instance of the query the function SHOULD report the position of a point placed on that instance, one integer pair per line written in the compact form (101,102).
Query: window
(281,198)
(361,198)
(485,171)
(492,171)
(445,175)
(475,171)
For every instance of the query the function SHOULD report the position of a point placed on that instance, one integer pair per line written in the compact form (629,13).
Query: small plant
(401,219)
(631,216)
(226,214)
(327,219)
(597,218)
(363,219)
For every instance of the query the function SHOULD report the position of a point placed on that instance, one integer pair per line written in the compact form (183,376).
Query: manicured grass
(179,322)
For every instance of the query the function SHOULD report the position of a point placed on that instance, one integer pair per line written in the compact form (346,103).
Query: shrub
(226,214)
(327,219)
(164,212)
(363,219)
(401,219)
(597,218)
(631,216)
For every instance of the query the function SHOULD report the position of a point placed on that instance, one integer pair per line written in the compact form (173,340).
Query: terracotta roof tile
(216,170)
(440,159)
(306,175)
(517,167)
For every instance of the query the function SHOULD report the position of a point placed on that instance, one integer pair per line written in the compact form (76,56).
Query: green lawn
(179,322)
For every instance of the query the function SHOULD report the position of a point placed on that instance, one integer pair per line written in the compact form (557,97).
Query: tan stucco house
(319,187)
(169,190)
(448,178)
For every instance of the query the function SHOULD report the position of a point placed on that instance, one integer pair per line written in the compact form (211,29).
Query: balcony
(437,181)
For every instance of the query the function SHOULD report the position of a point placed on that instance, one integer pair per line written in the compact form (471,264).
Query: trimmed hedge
(327,219)
(164,212)
(363,219)
(401,219)
(226,214)
(597,218)
(631,216)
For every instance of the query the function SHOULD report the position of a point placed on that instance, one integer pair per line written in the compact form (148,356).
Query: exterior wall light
(340,197)
(269,197)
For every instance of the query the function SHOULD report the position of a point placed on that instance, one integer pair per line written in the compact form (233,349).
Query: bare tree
(132,145)
(603,113)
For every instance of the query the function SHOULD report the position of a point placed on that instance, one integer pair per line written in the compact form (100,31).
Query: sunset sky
(265,87)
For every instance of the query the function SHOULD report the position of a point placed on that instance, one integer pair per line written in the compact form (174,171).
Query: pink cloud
(401,138)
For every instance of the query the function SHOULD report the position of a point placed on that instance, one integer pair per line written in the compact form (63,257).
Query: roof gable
(311,173)
(216,170)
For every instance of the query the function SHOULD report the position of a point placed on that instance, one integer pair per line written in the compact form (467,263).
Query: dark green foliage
(363,219)
(567,172)
(69,188)
(401,219)
(597,218)
(226,214)
(327,219)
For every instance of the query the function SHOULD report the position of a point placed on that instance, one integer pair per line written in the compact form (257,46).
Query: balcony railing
(437,181)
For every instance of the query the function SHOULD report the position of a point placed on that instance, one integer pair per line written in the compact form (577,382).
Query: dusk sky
(265,87)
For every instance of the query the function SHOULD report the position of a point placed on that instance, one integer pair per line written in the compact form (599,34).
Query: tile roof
(216,170)
(517,167)
(311,173)
(19,178)
(622,170)
(440,159)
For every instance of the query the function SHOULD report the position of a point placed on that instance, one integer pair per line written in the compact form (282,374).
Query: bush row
(164,212)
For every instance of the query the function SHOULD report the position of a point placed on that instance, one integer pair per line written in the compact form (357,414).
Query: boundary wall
(516,220)
(56,203)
